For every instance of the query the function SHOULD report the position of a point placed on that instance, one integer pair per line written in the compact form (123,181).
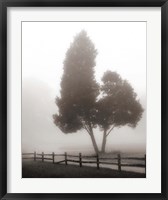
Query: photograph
(83,99)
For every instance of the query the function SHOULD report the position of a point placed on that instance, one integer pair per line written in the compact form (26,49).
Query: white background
(152,184)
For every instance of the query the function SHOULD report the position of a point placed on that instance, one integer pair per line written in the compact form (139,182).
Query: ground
(38,169)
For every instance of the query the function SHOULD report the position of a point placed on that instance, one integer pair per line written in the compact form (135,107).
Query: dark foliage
(118,105)
(78,86)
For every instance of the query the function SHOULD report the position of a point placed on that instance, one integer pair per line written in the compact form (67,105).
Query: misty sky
(121,47)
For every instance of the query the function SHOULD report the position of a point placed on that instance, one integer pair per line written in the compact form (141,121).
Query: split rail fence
(83,159)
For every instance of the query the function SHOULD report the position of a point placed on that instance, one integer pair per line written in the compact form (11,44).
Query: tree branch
(85,127)
(110,130)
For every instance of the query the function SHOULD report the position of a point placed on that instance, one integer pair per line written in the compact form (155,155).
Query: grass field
(38,169)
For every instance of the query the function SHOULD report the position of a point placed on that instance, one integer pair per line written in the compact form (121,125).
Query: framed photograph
(83,99)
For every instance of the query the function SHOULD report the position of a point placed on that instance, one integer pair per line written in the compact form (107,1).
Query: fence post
(53,156)
(35,156)
(145,163)
(119,162)
(66,158)
(80,159)
(42,157)
(97,161)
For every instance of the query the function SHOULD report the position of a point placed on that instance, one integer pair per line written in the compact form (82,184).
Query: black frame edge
(164,98)
(83,196)
(3,94)
(3,100)
(84,3)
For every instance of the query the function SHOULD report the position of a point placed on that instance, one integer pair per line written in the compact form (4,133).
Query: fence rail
(84,159)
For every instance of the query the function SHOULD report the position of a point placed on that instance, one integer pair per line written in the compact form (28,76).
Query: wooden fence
(83,159)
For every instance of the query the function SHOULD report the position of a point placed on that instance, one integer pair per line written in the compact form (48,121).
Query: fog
(121,47)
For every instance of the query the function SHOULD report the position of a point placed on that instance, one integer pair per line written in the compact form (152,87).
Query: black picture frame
(4,4)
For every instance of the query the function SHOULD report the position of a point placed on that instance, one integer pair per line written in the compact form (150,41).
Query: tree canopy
(118,105)
(79,88)
(85,104)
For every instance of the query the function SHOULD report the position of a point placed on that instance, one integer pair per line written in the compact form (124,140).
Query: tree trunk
(93,140)
(104,142)
(94,144)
